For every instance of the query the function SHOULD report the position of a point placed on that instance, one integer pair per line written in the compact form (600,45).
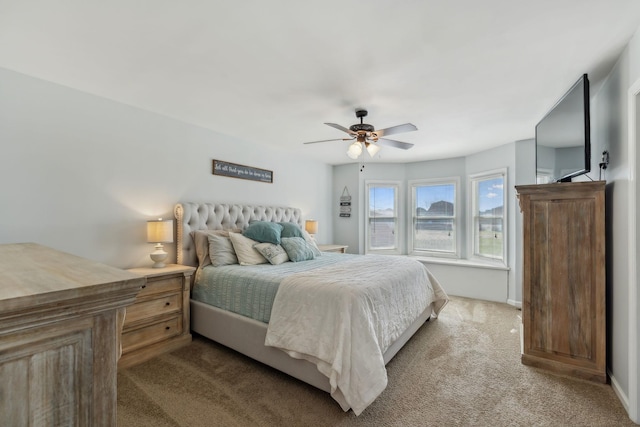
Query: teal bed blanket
(249,290)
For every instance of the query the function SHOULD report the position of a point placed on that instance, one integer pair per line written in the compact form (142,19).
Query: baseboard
(624,399)
(516,304)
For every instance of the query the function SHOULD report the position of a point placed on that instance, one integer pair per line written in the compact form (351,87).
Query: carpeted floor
(462,369)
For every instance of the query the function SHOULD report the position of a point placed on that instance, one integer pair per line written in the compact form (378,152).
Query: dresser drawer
(156,332)
(154,307)
(161,285)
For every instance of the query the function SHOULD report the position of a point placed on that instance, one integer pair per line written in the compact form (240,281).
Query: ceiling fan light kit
(354,150)
(367,137)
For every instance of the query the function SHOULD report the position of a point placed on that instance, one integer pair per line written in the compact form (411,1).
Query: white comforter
(344,317)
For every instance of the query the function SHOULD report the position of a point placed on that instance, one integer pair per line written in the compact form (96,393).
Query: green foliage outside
(491,244)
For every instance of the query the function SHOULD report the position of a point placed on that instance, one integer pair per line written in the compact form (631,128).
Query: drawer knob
(168,327)
(144,286)
(167,303)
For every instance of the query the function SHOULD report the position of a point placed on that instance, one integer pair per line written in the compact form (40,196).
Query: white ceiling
(469,74)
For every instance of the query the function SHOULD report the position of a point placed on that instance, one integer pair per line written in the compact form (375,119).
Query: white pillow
(221,251)
(246,253)
(275,254)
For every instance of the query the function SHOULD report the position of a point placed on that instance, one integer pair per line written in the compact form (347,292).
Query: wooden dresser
(563,298)
(60,322)
(158,321)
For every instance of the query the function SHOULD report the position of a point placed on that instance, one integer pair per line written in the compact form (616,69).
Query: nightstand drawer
(160,331)
(161,285)
(154,307)
(158,320)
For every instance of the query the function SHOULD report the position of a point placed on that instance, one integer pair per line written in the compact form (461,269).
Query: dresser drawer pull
(144,286)
(168,303)
(167,328)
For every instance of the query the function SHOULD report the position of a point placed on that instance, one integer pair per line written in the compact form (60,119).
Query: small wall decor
(234,170)
(345,203)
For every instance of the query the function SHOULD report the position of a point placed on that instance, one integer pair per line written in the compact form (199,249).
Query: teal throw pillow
(297,249)
(263,231)
(290,229)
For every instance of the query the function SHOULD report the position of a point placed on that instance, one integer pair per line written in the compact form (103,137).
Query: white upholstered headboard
(192,216)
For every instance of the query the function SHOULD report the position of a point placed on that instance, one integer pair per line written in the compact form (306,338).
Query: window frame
(397,222)
(413,184)
(473,239)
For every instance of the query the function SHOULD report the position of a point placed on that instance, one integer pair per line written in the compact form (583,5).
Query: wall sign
(234,170)
(345,204)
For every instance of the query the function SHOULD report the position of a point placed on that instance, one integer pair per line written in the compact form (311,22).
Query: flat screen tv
(563,143)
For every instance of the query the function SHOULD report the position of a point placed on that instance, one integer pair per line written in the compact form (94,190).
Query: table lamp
(159,231)
(311,227)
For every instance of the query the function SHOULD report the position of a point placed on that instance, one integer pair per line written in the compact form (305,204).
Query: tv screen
(563,144)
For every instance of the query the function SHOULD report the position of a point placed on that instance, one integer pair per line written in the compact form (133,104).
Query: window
(544,176)
(434,217)
(488,213)
(382,216)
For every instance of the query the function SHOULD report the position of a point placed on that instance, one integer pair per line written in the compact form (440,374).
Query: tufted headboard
(192,216)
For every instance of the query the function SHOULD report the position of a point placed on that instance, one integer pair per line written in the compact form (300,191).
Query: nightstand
(333,248)
(158,320)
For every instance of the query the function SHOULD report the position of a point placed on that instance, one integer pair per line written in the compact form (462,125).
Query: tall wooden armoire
(563,298)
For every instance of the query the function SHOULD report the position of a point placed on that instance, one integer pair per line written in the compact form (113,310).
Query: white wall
(82,173)
(345,229)
(610,132)
(525,174)
(608,122)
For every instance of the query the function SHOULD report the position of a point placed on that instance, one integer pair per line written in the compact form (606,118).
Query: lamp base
(158,256)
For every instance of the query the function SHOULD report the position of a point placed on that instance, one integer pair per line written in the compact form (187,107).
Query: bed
(353,369)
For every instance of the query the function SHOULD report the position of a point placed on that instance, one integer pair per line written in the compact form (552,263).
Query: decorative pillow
(264,231)
(275,254)
(221,250)
(245,251)
(312,242)
(297,249)
(290,229)
(201,242)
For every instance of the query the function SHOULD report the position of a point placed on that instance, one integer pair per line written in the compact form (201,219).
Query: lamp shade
(311,226)
(373,149)
(354,150)
(160,231)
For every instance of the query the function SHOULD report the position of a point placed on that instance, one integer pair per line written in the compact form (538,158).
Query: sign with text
(234,170)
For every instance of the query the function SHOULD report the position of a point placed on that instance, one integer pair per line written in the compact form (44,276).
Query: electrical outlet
(604,160)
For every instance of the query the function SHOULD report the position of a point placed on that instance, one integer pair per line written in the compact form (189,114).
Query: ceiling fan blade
(342,128)
(394,143)
(407,127)
(328,140)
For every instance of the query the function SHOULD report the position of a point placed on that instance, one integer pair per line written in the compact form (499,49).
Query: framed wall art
(235,170)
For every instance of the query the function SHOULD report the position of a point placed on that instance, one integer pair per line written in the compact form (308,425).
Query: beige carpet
(462,369)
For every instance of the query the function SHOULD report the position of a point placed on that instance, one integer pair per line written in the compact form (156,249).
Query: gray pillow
(264,231)
(275,254)
(221,250)
(311,241)
(201,243)
(297,249)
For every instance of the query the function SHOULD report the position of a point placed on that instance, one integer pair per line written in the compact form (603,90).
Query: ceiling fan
(367,137)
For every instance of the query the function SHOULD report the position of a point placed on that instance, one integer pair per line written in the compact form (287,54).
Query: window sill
(461,263)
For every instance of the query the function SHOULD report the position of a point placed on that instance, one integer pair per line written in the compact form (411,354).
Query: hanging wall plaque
(345,204)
